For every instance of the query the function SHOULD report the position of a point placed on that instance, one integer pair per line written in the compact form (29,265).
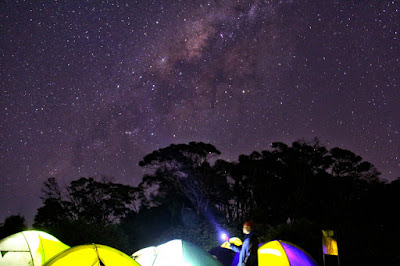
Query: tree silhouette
(184,169)
(291,191)
(85,199)
(12,224)
(88,210)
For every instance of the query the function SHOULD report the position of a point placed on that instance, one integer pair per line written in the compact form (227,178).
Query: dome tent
(175,252)
(145,256)
(29,248)
(283,253)
(225,254)
(92,255)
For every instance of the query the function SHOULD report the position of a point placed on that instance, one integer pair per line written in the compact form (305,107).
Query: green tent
(91,255)
(29,248)
(174,252)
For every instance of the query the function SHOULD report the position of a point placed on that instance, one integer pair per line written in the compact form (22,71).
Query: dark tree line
(292,192)
(86,211)
(303,186)
(11,225)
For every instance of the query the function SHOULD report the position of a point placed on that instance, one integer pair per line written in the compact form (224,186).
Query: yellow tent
(29,248)
(92,255)
(283,253)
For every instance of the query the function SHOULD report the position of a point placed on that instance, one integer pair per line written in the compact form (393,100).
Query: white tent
(29,248)
(175,252)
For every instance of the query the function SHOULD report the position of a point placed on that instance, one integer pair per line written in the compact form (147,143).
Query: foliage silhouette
(87,206)
(185,169)
(292,192)
(11,225)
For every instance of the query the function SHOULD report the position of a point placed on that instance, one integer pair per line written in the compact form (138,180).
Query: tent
(283,253)
(175,252)
(92,255)
(29,248)
(225,254)
(145,256)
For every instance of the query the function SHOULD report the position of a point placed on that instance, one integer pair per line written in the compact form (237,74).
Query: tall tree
(292,181)
(348,164)
(55,209)
(186,169)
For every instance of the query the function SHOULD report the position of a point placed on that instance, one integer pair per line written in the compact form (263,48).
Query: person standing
(248,250)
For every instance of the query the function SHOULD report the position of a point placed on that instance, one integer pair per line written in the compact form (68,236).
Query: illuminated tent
(29,248)
(283,253)
(145,256)
(92,255)
(175,252)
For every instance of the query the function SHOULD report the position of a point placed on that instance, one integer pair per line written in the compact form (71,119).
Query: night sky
(90,87)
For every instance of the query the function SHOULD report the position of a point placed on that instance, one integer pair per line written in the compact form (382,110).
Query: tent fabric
(224,255)
(92,255)
(29,248)
(175,252)
(145,256)
(283,253)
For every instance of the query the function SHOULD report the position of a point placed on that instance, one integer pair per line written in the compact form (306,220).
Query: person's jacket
(248,251)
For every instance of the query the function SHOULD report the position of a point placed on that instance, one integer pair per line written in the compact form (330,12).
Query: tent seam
(154,261)
(41,244)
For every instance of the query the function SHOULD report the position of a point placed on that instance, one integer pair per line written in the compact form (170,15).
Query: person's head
(248,227)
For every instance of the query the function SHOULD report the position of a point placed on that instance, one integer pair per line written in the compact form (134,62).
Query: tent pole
(27,243)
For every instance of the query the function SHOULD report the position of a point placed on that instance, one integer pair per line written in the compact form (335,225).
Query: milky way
(88,87)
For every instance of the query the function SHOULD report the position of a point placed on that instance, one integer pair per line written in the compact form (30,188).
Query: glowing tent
(175,252)
(29,248)
(92,255)
(145,256)
(283,253)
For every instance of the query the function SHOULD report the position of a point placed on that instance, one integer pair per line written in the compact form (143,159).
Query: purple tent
(283,253)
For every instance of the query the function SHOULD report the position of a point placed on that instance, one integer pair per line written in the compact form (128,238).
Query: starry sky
(90,87)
